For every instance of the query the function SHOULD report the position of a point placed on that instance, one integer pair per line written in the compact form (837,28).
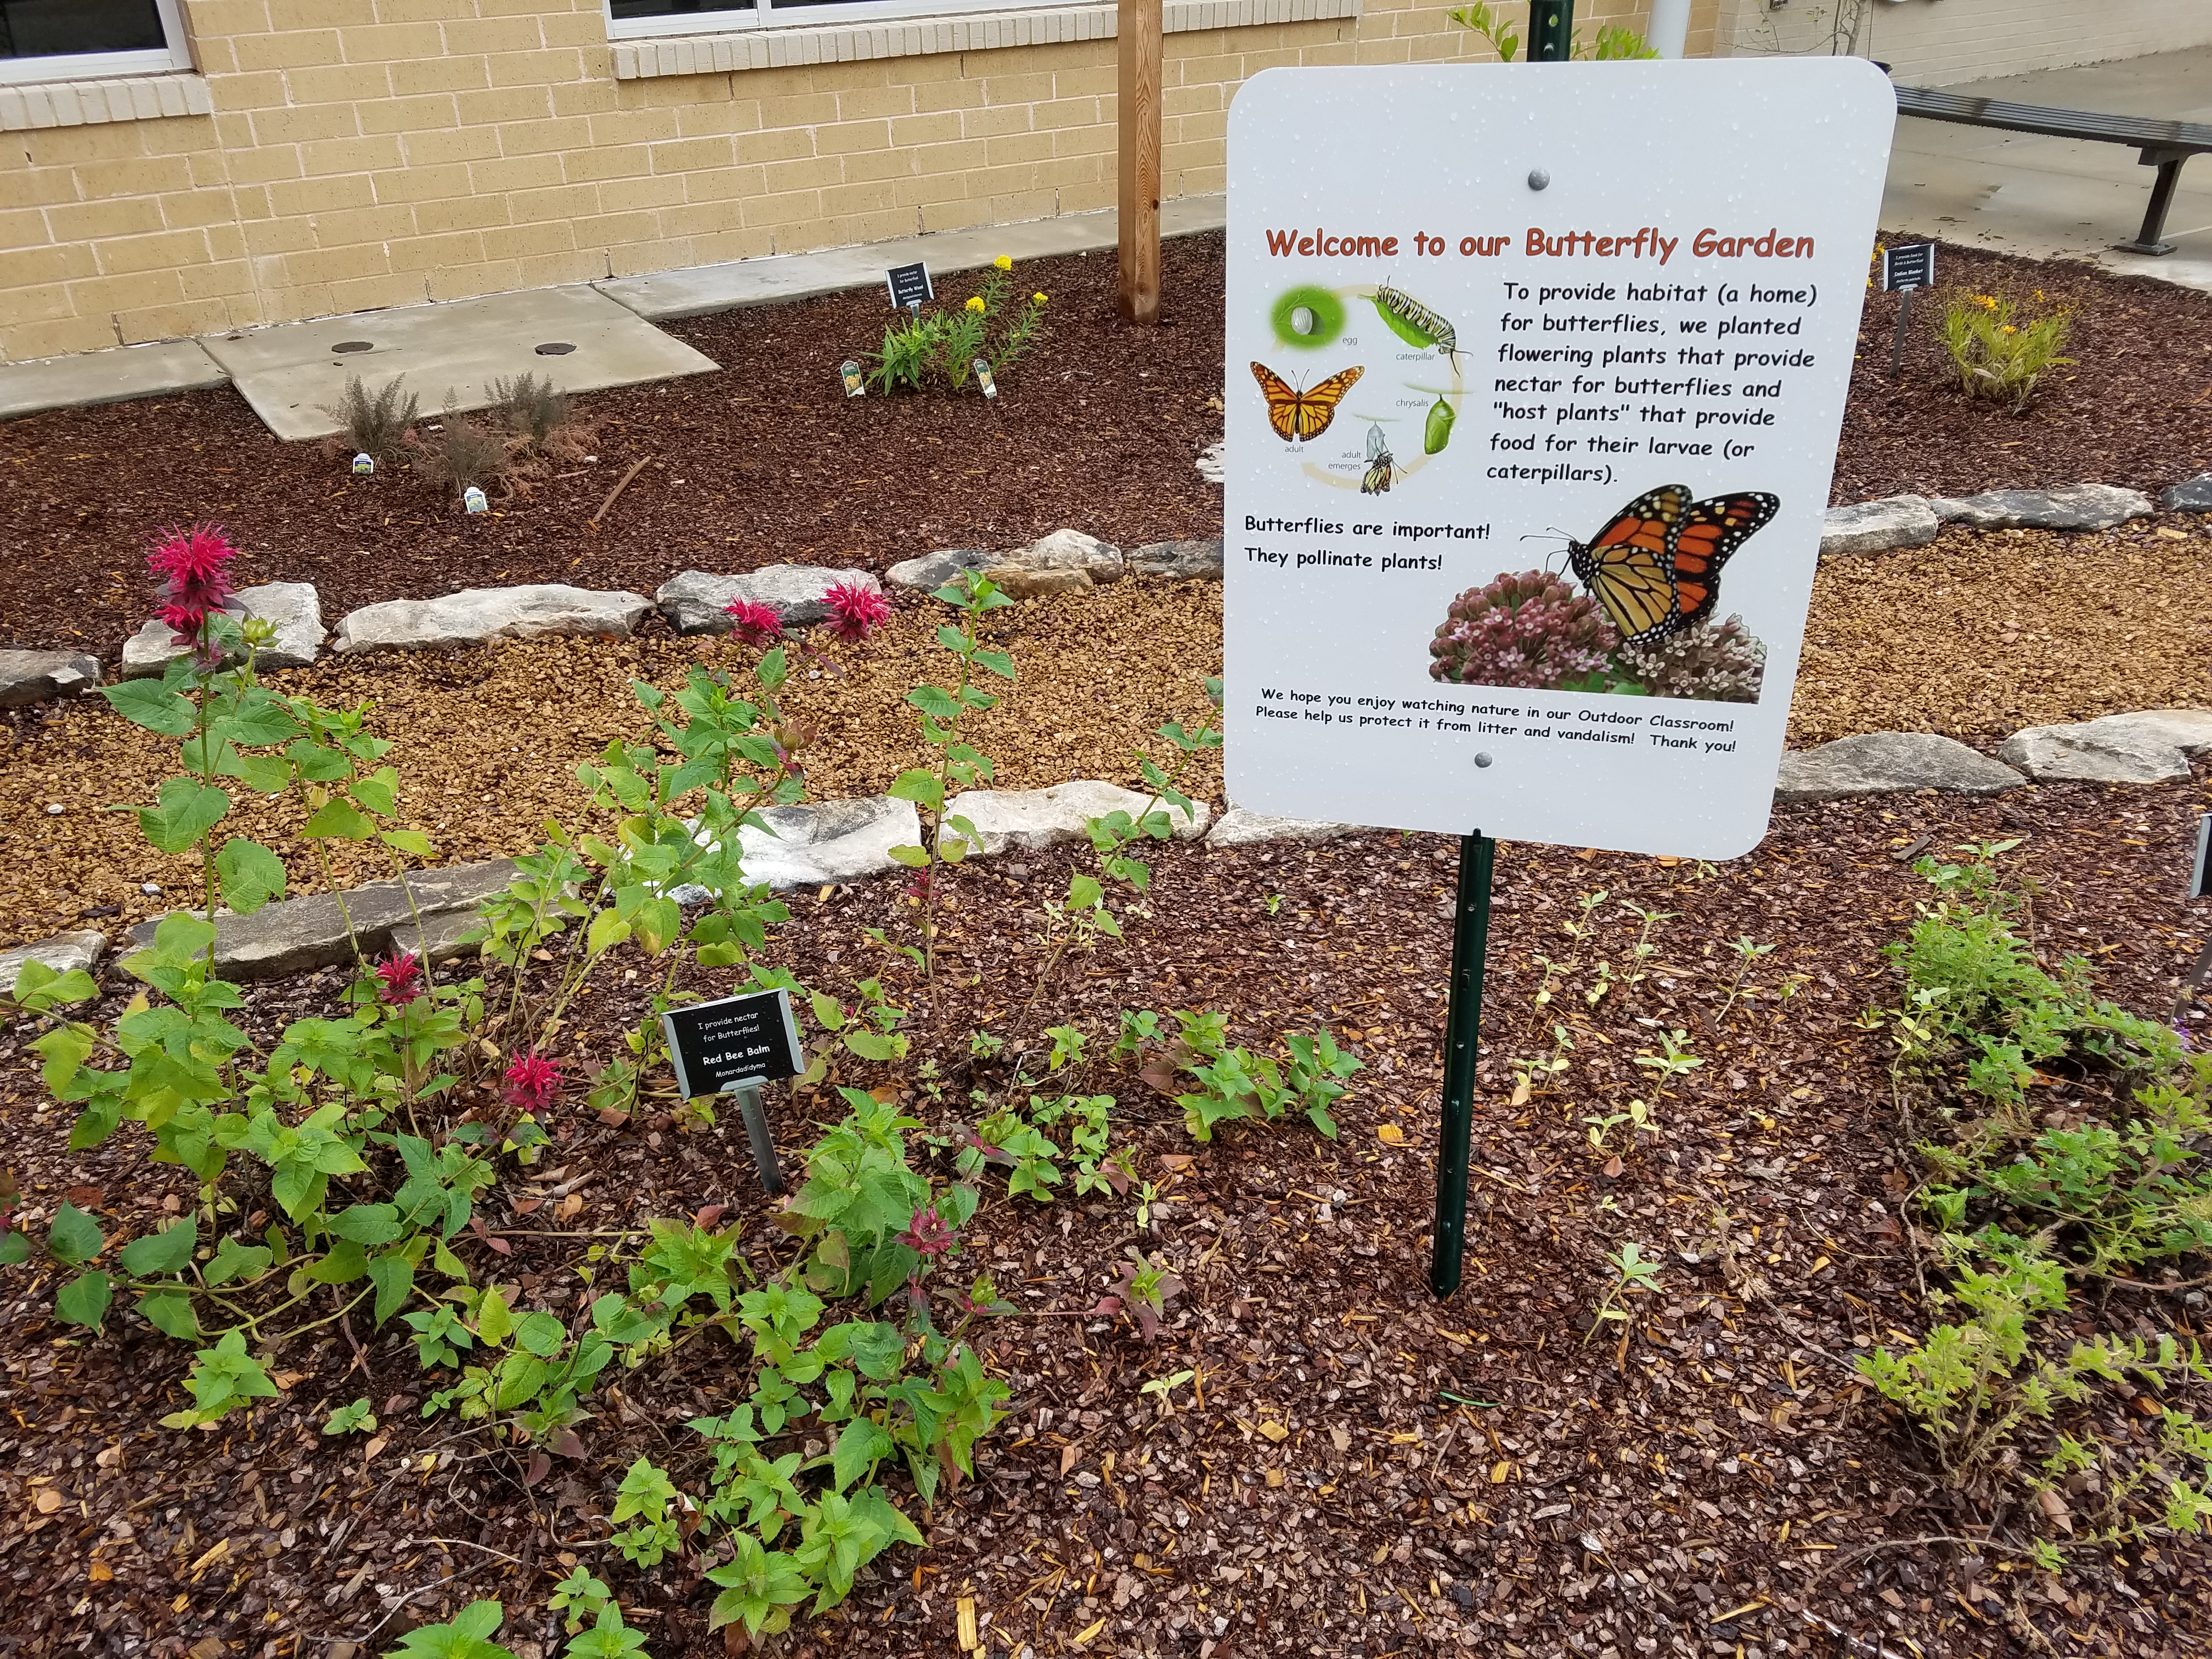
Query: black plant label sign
(718,1046)
(1908,265)
(909,284)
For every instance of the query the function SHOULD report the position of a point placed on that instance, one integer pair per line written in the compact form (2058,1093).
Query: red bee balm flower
(532,1084)
(195,568)
(857,611)
(755,623)
(927,1235)
(403,979)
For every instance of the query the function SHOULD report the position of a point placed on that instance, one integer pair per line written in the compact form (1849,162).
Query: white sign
(1592,321)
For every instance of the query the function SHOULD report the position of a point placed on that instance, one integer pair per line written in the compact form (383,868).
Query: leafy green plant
(374,423)
(1233,1084)
(960,764)
(1142,1292)
(467,1636)
(580,1597)
(1611,41)
(1632,1271)
(940,346)
(357,1418)
(1998,352)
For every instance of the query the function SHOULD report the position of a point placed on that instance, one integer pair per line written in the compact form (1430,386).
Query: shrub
(1705,663)
(463,450)
(374,423)
(539,416)
(1531,630)
(1998,359)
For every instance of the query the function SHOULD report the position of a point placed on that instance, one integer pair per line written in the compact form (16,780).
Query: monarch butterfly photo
(1655,568)
(1301,416)
(1381,466)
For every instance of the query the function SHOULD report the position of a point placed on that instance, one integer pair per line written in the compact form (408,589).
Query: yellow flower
(1003,263)
(975,302)
(2009,329)
(1036,299)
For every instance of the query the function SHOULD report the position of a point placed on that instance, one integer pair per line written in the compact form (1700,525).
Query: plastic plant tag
(851,371)
(363,464)
(473,500)
(983,378)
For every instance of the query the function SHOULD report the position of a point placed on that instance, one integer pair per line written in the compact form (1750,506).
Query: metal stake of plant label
(1462,1028)
(1897,340)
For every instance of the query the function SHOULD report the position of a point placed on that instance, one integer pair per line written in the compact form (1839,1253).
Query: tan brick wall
(368,153)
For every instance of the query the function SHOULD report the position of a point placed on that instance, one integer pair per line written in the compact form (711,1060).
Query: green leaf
(14,1247)
(861,1444)
(494,1319)
(412,842)
(151,704)
(379,792)
(827,1014)
(260,722)
(84,1300)
(339,819)
(923,788)
(997,661)
(913,857)
(186,809)
(250,873)
(166,1252)
(170,1312)
(934,699)
(608,930)
(74,1237)
(394,1278)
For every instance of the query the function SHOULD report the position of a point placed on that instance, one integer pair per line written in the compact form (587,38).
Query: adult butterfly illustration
(1654,570)
(1298,416)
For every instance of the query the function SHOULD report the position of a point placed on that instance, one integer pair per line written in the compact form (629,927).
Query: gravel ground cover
(1966,636)
(1350,1468)
(768,461)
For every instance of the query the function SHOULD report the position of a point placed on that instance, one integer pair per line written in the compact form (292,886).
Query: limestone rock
(1890,763)
(932,570)
(2078,507)
(477,614)
(1877,526)
(2191,496)
(29,677)
(1024,584)
(694,602)
(1184,559)
(1039,817)
(62,953)
(294,608)
(1238,828)
(293,935)
(831,841)
(2151,747)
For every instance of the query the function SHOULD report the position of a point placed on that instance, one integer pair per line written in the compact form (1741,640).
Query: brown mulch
(2135,409)
(766,461)
(1353,1469)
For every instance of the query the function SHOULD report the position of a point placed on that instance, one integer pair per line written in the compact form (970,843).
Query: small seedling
(355,1418)
(1631,1270)
(1747,953)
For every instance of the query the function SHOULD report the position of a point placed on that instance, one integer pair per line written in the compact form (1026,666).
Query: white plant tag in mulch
(473,501)
(363,464)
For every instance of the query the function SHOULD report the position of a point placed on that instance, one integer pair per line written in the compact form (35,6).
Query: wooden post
(1138,28)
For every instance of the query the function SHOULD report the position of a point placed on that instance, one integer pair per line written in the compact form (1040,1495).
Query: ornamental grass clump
(1706,664)
(1998,354)
(1531,630)
(374,422)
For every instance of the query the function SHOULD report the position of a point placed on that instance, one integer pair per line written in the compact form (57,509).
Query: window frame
(106,65)
(763,16)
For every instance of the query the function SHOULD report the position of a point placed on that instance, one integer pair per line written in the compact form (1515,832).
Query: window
(71,40)
(637,20)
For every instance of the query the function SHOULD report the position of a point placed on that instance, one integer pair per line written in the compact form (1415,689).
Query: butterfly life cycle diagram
(1535,373)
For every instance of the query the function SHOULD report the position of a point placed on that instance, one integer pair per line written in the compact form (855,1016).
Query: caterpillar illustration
(1414,323)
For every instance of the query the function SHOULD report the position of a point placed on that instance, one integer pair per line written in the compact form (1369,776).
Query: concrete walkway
(289,371)
(2012,192)
(2018,193)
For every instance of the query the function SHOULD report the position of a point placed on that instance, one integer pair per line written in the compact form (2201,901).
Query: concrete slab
(2054,197)
(698,289)
(447,351)
(114,376)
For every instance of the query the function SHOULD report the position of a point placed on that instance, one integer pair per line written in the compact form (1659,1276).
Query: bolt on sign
(1533,392)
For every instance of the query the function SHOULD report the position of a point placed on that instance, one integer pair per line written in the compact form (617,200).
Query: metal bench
(2164,144)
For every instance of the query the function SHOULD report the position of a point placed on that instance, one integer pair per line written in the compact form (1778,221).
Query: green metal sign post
(1551,33)
(1551,30)
(1462,1031)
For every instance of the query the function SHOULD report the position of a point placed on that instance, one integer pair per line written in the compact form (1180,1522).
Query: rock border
(848,839)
